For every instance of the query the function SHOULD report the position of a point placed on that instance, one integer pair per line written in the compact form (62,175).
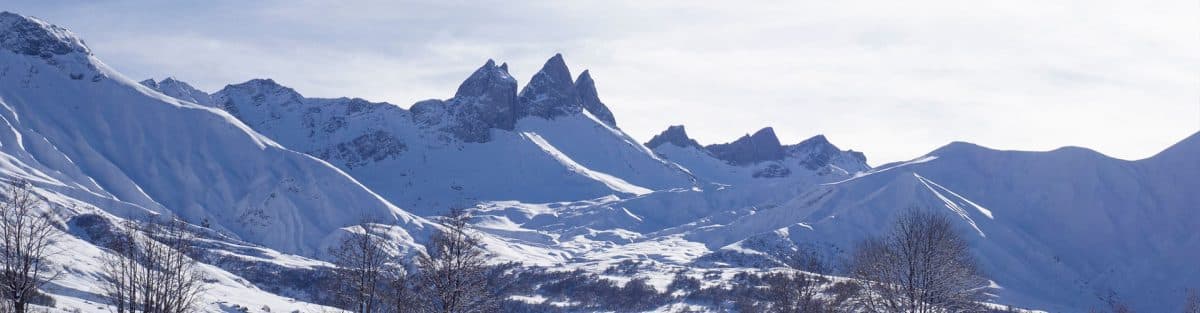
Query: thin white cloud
(893,79)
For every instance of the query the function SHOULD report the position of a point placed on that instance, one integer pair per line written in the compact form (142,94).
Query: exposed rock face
(486,100)
(772,171)
(759,156)
(179,90)
(550,93)
(343,131)
(429,113)
(675,135)
(586,88)
(750,149)
(362,150)
(31,36)
(258,101)
(817,152)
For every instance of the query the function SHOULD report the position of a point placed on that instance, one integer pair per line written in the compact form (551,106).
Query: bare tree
(796,292)
(453,274)
(365,272)
(181,283)
(27,232)
(399,296)
(121,266)
(149,269)
(922,265)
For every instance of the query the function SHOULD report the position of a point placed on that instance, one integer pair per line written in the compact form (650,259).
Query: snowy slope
(77,288)
(94,142)
(105,136)
(1055,229)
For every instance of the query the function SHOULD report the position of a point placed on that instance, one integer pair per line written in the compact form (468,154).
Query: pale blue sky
(894,79)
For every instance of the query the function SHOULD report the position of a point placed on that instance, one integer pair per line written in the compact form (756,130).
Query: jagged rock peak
(486,100)
(585,86)
(556,68)
(765,135)
(550,93)
(32,36)
(488,81)
(675,135)
(763,145)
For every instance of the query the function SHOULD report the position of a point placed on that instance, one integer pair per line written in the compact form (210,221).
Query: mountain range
(552,180)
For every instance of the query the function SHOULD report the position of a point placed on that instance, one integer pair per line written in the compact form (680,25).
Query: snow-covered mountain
(487,143)
(757,169)
(277,177)
(1056,230)
(77,127)
(98,144)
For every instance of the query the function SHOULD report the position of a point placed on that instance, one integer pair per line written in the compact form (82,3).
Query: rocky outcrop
(586,88)
(362,150)
(334,130)
(257,101)
(675,135)
(486,100)
(550,93)
(31,36)
(814,154)
(763,145)
(817,152)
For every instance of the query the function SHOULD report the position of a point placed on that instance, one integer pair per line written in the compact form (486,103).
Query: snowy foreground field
(254,198)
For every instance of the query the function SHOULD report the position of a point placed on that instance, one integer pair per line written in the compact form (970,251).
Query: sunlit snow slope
(97,144)
(1056,230)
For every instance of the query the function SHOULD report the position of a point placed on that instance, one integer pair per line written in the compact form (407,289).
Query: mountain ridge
(370,140)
